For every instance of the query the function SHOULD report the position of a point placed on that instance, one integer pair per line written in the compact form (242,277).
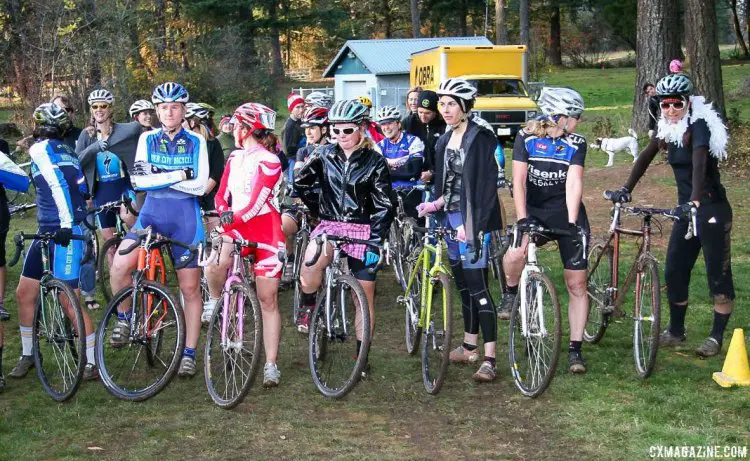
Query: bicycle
(139,365)
(534,342)
(232,352)
(607,297)
(58,330)
(333,329)
(402,241)
(428,274)
(21,209)
(300,243)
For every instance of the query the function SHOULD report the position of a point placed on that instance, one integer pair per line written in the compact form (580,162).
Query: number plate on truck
(503,131)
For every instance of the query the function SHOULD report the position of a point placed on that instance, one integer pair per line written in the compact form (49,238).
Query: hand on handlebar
(226,217)
(683,211)
(63,236)
(621,195)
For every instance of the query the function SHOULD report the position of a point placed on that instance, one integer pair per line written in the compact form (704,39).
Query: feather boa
(700,109)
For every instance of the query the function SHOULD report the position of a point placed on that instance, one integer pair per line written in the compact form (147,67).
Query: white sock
(27,341)
(90,343)
(212,302)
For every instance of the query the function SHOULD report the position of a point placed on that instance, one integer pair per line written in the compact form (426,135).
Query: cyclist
(171,165)
(198,119)
(404,154)
(348,186)
(465,179)
(372,129)
(411,121)
(548,162)
(431,128)
(293,134)
(143,112)
(61,207)
(315,123)
(318,99)
(695,138)
(225,137)
(251,175)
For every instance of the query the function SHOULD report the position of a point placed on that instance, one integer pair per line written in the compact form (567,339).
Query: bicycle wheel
(102,266)
(335,365)
(413,307)
(498,246)
(59,340)
(646,316)
(599,282)
(299,256)
(396,242)
(535,351)
(437,336)
(232,359)
(143,366)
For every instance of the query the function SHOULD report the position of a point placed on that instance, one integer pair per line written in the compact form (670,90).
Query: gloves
(423,209)
(141,168)
(189,173)
(103,145)
(371,258)
(683,210)
(63,236)
(620,195)
(226,217)
(529,221)
(461,233)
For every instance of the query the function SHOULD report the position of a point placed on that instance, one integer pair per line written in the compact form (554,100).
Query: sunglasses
(100,106)
(346,131)
(679,105)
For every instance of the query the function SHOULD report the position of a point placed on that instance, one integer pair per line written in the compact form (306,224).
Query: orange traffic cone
(736,370)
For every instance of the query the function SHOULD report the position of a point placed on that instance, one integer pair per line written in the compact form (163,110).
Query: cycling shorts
(570,251)
(266,231)
(110,192)
(66,261)
(174,218)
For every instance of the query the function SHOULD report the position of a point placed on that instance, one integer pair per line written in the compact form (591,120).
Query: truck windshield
(498,87)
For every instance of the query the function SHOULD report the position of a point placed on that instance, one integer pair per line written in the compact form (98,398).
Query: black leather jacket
(356,190)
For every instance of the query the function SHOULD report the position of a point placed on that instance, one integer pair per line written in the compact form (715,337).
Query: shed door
(354,89)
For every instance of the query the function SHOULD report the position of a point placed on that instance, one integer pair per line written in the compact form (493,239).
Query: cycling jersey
(60,184)
(171,205)
(405,158)
(248,183)
(109,167)
(548,161)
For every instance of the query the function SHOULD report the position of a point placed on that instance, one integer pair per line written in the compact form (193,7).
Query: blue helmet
(170,92)
(348,111)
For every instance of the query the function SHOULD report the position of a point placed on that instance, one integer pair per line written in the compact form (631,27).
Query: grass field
(606,414)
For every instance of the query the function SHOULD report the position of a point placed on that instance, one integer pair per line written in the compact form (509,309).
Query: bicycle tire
(412,330)
(163,374)
(299,256)
(321,352)
(645,349)
(102,267)
(396,249)
(539,383)
(54,329)
(599,279)
(437,341)
(217,351)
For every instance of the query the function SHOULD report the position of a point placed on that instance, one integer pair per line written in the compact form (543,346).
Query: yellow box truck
(498,72)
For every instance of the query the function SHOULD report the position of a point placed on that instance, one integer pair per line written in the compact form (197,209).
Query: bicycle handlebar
(161,240)
(214,249)
(20,237)
(322,240)
(692,230)
(551,232)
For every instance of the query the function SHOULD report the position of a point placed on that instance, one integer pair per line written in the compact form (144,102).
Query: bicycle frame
(235,274)
(149,261)
(330,280)
(429,252)
(530,266)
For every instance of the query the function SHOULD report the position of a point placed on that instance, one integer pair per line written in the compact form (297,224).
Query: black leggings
(4,226)
(476,302)
(714,238)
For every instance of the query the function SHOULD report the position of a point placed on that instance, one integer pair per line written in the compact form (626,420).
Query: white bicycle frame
(529,267)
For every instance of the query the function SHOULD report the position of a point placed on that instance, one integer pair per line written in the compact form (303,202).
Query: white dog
(614,145)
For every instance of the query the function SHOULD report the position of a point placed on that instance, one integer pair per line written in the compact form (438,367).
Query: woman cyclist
(695,138)
(143,112)
(251,175)
(61,208)
(548,161)
(348,185)
(465,185)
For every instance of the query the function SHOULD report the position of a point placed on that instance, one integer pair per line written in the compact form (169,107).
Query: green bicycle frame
(435,253)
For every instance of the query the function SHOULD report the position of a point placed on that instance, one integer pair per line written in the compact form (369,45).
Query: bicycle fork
(531,266)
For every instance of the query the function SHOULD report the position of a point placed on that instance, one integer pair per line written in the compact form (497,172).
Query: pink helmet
(675,66)
(293,100)
(255,116)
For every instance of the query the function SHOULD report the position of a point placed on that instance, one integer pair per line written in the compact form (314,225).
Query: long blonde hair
(538,127)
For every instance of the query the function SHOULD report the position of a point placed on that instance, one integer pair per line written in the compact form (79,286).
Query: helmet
(366,101)
(319,99)
(561,101)
(170,92)
(52,115)
(255,116)
(211,109)
(196,110)
(140,106)
(101,95)
(387,114)
(348,111)
(458,88)
(315,116)
(674,85)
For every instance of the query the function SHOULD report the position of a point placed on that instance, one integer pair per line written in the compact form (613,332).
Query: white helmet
(196,110)
(460,89)
(319,99)
(101,95)
(387,114)
(140,106)
(561,101)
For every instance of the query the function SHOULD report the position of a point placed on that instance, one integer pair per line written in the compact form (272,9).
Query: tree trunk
(160,44)
(523,12)
(737,28)
(95,67)
(463,12)
(387,18)
(247,21)
(288,33)
(277,64)
(742,11)
(501,22)
(703,51)
(657,42)
(185,62)
(555,49)
(415,22)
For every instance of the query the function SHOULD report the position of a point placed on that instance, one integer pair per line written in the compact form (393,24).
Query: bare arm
(520,175)
(574,191)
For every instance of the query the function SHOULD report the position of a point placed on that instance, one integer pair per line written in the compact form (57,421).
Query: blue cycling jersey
(408,153)
(60,184)
(109,167)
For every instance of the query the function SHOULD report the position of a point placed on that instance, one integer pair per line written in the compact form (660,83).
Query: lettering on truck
(424,75)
